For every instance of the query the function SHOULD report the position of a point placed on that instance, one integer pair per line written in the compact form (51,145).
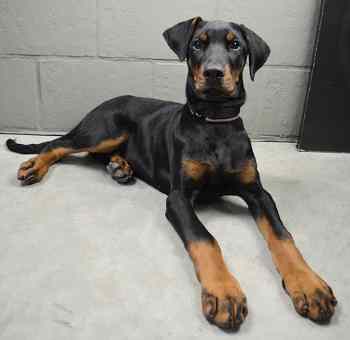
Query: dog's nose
(214,73)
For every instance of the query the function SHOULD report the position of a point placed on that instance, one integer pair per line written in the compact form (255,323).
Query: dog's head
(216,54)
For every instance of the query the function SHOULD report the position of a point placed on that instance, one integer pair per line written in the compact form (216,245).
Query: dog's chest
(219,161)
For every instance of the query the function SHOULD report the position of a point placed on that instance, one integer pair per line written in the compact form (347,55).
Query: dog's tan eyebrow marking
(203,37)
(230,36)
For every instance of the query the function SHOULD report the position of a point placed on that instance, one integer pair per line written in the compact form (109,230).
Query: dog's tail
(26,148)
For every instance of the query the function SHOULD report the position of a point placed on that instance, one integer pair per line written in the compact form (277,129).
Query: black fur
(25,149)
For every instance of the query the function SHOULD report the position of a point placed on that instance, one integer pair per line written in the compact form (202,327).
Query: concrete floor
(82,257)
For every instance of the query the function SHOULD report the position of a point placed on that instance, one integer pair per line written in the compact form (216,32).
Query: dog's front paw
(311,296)
(225,305)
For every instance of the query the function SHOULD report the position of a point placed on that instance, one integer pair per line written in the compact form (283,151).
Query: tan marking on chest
(196,170)
(248,173)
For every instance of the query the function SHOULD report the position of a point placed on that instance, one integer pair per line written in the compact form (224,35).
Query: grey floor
(82,257)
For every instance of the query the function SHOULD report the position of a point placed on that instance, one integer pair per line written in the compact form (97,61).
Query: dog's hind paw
(32,171)
(120,171)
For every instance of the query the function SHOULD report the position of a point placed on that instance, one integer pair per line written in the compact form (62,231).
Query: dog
(195,151)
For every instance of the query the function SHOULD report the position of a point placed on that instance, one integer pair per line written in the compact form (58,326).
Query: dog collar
(212,120)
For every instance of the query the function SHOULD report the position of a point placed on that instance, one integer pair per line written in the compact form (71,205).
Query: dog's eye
(197,45)
(234,45)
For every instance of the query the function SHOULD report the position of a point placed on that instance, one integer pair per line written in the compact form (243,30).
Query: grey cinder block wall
(60,59)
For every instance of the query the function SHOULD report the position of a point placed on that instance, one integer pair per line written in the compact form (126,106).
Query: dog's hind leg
(35,169)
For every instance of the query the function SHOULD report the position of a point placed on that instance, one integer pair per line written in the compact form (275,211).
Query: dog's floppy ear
(179,36)
(258,50)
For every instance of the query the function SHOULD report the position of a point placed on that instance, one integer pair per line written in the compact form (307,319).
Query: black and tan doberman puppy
(193,151)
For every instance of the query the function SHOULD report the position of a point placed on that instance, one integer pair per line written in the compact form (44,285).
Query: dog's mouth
(211,90)
(218,90)
(214,88)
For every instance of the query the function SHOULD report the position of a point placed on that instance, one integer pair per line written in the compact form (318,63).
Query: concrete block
(288,26)
(65,27)
(18,95)
(275,101)
(134,31)
(169,81)
(72,88)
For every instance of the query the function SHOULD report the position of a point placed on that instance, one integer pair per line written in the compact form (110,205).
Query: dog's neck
(220,110)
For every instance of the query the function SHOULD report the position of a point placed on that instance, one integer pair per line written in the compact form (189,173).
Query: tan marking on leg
(311,295)
(284,253)
(34,170)
(195,169)
(209,265)
(108,145)
(223,301)
(120,160)
(123,163)
(248,173)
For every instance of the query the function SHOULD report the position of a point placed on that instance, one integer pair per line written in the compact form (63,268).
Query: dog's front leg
(223,301)
(311,295)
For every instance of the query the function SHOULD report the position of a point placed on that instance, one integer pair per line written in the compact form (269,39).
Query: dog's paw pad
(120,173)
